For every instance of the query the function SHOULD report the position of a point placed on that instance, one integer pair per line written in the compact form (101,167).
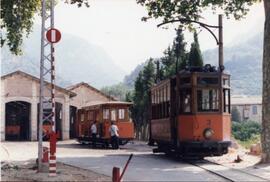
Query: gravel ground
(27,171)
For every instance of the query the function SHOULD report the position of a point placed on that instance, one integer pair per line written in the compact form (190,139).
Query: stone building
(85,93)
(249,107)
(20,103)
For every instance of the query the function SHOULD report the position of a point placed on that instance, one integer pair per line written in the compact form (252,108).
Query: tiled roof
(72,87)
(26,75)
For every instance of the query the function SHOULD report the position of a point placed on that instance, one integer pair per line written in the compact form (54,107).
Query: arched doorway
(72,121)
(58,119)
(17,120)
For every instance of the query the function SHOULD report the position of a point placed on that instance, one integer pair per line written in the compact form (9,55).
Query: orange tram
(191,113)
(104,113)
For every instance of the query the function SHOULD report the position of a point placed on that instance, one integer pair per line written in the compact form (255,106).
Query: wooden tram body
(104,113)
(191,114)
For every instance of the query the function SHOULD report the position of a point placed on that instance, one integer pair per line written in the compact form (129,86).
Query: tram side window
(121,113)
(113,115)
(161,102)
(168,100)
(154,104)
(90,115)
(227,101)
(106,113)
(185,101)
(82,117)
(207,100)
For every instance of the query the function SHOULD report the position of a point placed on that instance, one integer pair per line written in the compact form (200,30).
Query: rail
(225,172)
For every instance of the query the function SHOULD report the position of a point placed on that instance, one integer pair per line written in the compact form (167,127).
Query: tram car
(191,113)
(104,113)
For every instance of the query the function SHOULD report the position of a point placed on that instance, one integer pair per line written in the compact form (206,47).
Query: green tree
(174,56)
(137,112)
(195,55)
(168,63)
(17,20)
(179,48)
(236,114)
(117,91)
(140,114)
(129,96)
(192,10)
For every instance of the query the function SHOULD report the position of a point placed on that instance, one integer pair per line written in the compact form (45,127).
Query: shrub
(245,130)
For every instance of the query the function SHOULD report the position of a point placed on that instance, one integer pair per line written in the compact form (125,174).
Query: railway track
(7,153)
(227,173)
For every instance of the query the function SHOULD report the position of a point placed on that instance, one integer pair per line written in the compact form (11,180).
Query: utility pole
(220,43)
(49,36)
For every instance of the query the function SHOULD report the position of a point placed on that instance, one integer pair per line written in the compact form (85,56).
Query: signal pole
(47,72)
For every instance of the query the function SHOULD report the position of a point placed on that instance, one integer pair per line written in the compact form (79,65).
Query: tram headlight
(208,133)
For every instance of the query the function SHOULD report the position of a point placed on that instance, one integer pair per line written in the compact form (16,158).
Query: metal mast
(47,72)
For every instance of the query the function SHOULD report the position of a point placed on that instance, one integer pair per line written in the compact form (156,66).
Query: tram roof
(97,103)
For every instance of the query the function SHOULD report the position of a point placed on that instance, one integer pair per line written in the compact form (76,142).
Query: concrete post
(3,111)
(3,122)
(34,119)
(65,120)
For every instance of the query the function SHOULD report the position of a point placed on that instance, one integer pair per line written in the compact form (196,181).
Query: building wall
(85,95)
(248,112)
(20,88)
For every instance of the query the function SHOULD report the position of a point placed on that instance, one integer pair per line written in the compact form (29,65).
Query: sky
(116,26)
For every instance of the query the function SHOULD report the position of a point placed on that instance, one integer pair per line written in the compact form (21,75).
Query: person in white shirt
(94,133)
(114,136)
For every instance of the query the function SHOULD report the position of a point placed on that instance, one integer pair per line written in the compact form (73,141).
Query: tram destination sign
(53,35)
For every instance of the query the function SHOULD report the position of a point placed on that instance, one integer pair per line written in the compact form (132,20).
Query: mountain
(130,79)
(243,61)
(76,60)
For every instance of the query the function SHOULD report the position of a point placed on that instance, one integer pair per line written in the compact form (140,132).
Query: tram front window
(185,101)
(207,100)
(227,104)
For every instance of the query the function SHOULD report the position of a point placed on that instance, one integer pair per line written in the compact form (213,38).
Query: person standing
(114,135)
(94,133)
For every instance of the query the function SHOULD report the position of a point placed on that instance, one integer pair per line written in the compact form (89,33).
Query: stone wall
(85,95)
(247,113)
(20,88)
